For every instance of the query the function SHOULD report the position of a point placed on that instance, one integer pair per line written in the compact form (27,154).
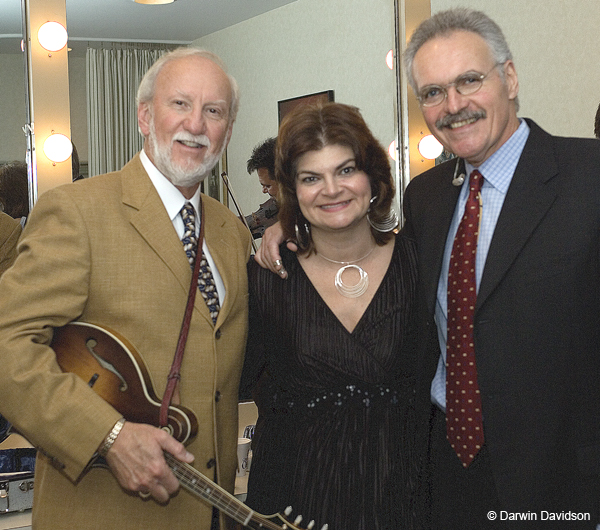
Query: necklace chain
(348,262)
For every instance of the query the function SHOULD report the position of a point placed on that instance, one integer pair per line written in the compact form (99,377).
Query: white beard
(184,175)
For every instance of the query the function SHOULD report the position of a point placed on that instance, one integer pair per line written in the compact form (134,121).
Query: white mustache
(200,139)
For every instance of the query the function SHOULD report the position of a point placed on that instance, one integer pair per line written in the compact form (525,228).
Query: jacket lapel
(150,219)
(527,201)
(438,216)
(218,233)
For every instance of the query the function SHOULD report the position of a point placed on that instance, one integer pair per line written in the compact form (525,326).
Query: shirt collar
(170,196)
(499,168)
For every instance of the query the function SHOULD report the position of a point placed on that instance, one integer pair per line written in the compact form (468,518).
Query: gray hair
(147,86)
(458,19)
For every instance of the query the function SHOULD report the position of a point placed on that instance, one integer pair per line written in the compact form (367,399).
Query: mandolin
(114,369)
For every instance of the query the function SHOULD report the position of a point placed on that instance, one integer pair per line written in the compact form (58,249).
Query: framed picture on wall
(285,105)
(213,185)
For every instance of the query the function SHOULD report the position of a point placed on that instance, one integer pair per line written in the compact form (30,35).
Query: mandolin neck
(195,482)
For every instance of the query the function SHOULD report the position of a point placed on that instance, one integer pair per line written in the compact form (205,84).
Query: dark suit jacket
(536,321)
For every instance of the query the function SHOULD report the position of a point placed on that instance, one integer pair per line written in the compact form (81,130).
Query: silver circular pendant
(352,291)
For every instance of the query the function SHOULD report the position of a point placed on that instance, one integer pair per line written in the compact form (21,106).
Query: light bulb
(429,147)
(393,151)
(57,147)
(52,36)
(389,59)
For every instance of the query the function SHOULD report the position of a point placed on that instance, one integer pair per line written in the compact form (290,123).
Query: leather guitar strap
(174,374)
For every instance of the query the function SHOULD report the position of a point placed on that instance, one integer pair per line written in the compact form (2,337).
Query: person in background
(10,231)
(14,194)
(263,162)
(108,251)
(75,170)
(333,347)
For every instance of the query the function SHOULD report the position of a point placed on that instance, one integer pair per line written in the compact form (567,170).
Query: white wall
(305,47)
(555,45)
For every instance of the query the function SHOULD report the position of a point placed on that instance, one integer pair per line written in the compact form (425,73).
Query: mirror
(303,47)
(13,102)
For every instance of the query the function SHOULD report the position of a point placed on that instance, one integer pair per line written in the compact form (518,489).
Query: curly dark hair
(263,155)
(14,194)
(312,127)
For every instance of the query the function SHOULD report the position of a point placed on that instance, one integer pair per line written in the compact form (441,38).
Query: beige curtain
(112,79)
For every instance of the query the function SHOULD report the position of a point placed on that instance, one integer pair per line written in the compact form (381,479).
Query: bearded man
(108,251)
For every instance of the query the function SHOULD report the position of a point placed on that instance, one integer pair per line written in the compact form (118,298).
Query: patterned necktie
(206,282)
(464,422)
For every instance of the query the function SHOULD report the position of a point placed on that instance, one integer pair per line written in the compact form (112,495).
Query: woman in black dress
(333,345)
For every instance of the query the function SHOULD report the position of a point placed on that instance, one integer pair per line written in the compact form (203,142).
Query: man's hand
(267,255)
(136,460)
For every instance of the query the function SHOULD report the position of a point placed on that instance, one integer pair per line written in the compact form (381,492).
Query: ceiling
(96,21)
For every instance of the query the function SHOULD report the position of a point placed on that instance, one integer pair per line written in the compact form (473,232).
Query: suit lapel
(437,219)
(150,219)
(219,231)
(527,201)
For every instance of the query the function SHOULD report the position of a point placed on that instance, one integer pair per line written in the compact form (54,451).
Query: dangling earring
(303,240)
(387,224)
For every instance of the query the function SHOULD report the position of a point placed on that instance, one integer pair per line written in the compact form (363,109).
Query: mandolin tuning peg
(310,525)
(325,527)
(287,511)
(298,520)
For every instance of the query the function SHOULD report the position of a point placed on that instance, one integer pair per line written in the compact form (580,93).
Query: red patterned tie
(464,424)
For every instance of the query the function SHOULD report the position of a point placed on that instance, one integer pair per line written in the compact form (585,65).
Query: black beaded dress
(335,437)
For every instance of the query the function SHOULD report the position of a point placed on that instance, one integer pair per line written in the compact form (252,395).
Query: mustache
(187,137)
(463,115)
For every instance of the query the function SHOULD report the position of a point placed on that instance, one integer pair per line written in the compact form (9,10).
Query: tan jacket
(104,251)
(10,230)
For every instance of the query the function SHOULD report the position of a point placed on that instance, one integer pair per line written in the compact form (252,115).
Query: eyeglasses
(465,84)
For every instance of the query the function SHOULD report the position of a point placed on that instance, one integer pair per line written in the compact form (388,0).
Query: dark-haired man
(262,161)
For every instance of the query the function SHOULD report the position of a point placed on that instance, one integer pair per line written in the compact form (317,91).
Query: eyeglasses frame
(444,88)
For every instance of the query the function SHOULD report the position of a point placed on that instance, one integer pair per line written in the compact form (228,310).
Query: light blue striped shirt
(497,171)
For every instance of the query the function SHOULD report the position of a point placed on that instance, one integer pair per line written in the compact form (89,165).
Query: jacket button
(211,463)
(217,396)
(218,334)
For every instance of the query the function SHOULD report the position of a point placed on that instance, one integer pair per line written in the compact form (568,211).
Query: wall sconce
(57,147)
(52,36)
(429,147)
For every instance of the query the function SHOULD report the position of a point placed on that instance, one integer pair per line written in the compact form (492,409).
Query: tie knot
(475,181)
(188,214)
